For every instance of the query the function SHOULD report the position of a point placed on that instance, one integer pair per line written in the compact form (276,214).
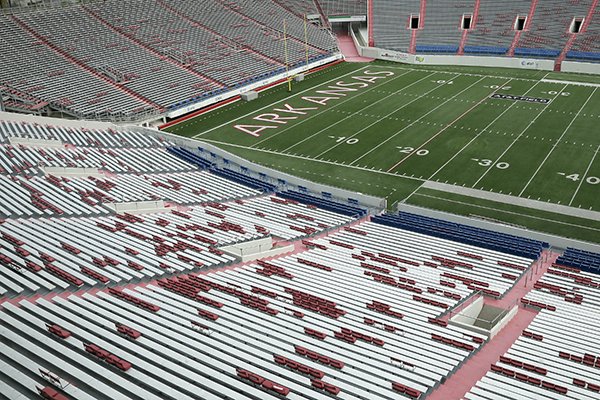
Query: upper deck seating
(130,61)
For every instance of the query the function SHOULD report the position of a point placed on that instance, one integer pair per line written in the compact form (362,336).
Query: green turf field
(384,129)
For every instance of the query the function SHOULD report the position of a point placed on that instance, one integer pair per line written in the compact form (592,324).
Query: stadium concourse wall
(230,160)
(580,67)
(557,242)
(431,59)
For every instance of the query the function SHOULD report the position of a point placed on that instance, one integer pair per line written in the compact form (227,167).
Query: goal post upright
(285,50)
(306,39)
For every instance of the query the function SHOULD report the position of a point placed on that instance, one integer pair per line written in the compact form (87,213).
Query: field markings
(332,108)
(557,143)
(480,133)
(584,175)
(354,114)
(277,102)
(387,115)
(517,138)
(415,121)
(448,125)
(465,73)
(507,212)
(305,158)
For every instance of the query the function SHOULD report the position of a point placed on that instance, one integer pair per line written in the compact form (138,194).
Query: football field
(400,132)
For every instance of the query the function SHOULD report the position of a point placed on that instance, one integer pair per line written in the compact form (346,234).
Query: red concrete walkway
(476,367)
(346,45)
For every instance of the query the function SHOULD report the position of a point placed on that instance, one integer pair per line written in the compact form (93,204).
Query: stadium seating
(99,304)
(442,26)
(485,50)
(391,22)
(557,354)
(495,25)
(545,34)
(60,186)
(583,260)
(343,7)
(323,203)
(463,233)
(244,179)
(303,326)
(135,62)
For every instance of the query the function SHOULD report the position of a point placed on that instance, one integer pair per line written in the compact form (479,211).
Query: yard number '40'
(592,180)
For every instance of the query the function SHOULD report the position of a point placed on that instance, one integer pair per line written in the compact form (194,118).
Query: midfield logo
(520,98)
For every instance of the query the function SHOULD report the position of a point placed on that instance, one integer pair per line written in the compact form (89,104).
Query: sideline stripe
(584,175)
(506,212)
(315,160)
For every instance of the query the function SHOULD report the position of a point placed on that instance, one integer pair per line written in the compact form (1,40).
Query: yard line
(517,138)
(468,73)
(557,142)
(584,175)
(331,108)
(277,102)
(287,155)
(415,121)
(446,127)
(480,133)
(388,114)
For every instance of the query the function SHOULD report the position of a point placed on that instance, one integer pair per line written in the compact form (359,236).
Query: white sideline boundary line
(468,73)
(388,114)
(508,212)
(584,175)
(574,83)
(315,159)
(275,102)
(517,138)
(480,133)
(558,142)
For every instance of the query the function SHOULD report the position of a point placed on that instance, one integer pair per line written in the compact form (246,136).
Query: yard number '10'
(344,139)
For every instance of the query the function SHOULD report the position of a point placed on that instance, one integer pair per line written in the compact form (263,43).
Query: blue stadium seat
(527,52)
(325,204)
(485,50)
(244,179)
(463,233)
(583,55)
(190,157)
(448,49)
(584,260)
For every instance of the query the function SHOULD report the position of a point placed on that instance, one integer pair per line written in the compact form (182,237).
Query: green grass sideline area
(384,128)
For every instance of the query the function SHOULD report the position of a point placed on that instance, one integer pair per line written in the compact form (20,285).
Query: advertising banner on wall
(391,55)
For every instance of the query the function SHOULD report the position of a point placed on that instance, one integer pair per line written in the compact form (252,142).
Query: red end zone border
(236,98)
